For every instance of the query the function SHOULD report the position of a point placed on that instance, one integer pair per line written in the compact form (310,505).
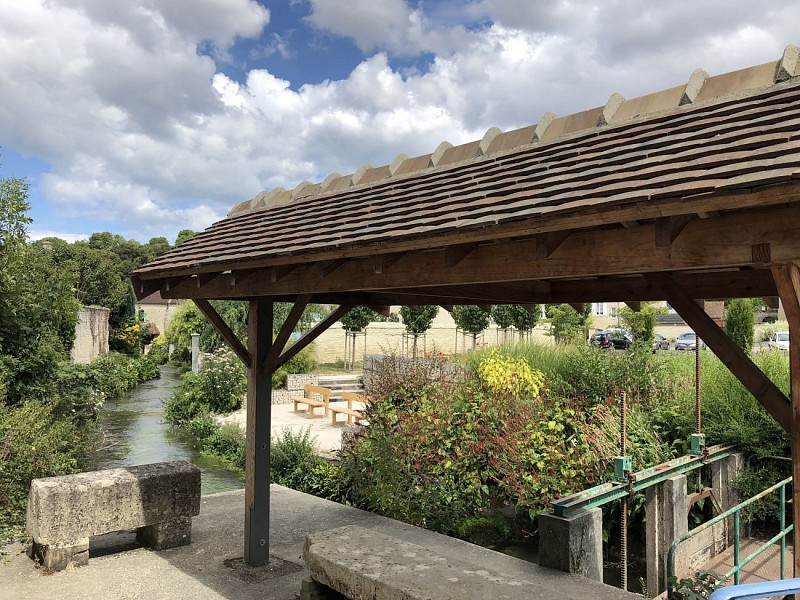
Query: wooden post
(259,417)
(787,280)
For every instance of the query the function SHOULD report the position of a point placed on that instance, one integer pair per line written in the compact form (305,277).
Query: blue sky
(144,117)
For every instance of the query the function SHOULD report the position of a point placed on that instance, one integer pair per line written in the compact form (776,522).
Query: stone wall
(91,334)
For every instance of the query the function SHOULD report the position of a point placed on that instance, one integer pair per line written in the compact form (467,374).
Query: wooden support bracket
(292,319)
(578,306)
(224,330)
(742,367)
(205,278)
(144,288)
(329,266)
(447,307)
(455,254)
(384,311)
(669,228)
(278,273)
(787,280)
(383,262)
(633,305)
(546,243)
(313,334)
(238,277)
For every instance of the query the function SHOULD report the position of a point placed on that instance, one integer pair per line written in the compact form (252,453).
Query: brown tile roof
(711,136)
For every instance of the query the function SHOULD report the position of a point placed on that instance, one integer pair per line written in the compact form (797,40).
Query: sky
(145,117)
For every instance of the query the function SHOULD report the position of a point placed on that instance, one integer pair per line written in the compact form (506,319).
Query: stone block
(665,520)
(166,534)
(59,556)
(159,498)
(573,545)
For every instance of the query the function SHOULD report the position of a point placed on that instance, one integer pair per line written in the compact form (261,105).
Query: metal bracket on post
(622,468)
(698,444)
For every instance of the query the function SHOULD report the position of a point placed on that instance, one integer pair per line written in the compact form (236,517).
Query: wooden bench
(158,500)
(351,413)
(308,398)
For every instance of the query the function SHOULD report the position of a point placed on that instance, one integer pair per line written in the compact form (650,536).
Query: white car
(779,340)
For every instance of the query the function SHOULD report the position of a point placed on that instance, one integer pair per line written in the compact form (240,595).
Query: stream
(136,433)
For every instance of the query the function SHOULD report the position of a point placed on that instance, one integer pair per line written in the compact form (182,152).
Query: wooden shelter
(686,194)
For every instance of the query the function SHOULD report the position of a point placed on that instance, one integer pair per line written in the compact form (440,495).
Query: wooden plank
(279,272)
(311,335)
(224,330)
(239,276)
(787,279)
(143,288)
(742,367)
(258,429)
(328,267)
(292,319)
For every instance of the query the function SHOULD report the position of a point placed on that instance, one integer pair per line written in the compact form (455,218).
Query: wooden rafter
(329,266)
(742,367)
(292,319)
(787,279)
(313,334)
(224,330)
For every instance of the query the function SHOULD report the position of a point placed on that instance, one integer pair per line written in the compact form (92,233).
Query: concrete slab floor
(212,568)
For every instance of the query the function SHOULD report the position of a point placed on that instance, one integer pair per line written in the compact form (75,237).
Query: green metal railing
(605,493)
(738,562)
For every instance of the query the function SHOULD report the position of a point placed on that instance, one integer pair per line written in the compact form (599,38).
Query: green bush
(218,387)
(740,323)
(291,455)
(228,442)
(302,362)
(485,529)
(35,441)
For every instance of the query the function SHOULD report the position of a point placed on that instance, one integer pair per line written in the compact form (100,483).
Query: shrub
(218,388)
(291,455)
(302,362)
(35,441)
(228,442)
(740,323)
(159,351)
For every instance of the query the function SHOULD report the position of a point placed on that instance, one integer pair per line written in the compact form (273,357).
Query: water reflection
(136,434)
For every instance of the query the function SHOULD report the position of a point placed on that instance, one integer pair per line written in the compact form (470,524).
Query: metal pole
(623,527)
(697,402)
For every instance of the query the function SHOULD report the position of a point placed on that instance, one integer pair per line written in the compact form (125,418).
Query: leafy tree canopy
(503,315)
(358,318)
(470,318)
(740,323)
(522,318)
(418,319)
(642,323)
(567,324)
(184,235)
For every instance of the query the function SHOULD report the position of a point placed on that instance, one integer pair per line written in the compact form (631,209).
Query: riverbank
(211,566)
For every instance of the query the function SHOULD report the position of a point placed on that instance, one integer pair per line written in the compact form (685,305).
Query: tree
(155,247)
(642,323)
(503,315)
(567,324)
(417,320)
(471,319)
(184,235)
(38,310)
(524,318)
(358,318)
(740,323)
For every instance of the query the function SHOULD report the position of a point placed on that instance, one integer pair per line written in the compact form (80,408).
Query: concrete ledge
(364,564)
(158,499)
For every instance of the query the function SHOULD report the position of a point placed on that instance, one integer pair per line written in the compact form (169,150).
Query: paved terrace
(212,567)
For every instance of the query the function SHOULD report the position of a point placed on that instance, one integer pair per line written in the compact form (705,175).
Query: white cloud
(39,234)
(144,131)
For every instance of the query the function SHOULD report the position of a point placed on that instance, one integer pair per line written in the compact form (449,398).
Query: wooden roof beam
(742,367)
(237,277)
(278,345)
(224,331)
(634,305)
(311,335)
(144,287)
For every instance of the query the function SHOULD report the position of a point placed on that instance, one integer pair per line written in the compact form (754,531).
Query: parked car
(617,339)
(660,342)
(779,340)
(688,341)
